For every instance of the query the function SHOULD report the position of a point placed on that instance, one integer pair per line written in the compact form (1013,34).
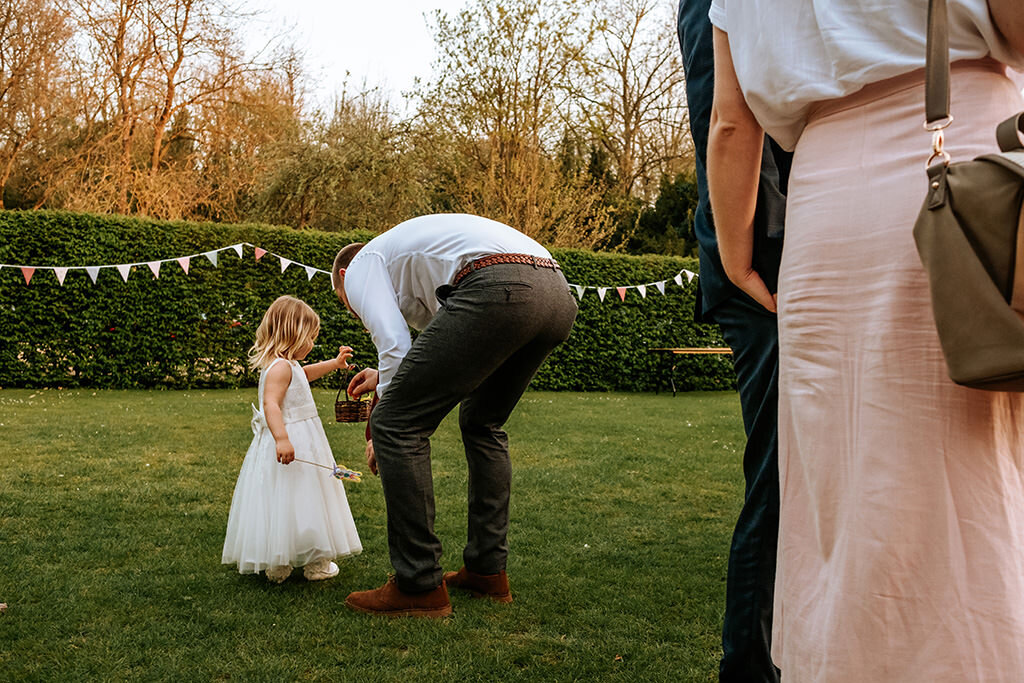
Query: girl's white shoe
(279,574)
(318,570)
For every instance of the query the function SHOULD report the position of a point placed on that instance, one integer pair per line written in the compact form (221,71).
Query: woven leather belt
(495,259)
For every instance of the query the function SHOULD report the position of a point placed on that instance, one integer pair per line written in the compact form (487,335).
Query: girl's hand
(365,380)
(344,353)
(285,451)
(371,457)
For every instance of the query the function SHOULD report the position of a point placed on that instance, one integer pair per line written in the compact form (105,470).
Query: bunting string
(185,262)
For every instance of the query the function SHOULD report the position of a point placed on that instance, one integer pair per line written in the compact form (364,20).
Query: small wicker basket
(351,409)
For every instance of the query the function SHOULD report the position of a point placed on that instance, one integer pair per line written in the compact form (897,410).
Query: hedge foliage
(193,330)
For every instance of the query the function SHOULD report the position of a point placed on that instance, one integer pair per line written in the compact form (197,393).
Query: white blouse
(789,54)
(391,282)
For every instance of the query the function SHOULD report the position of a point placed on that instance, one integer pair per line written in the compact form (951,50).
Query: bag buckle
(938,139)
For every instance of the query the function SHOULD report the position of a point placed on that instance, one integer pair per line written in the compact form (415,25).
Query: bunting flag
(124,269)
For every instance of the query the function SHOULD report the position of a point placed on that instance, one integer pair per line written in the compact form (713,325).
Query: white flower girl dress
(294,515)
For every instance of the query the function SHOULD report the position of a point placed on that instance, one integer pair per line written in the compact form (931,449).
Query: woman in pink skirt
(901,543)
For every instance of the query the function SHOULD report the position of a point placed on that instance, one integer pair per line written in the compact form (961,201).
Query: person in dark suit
(751,331)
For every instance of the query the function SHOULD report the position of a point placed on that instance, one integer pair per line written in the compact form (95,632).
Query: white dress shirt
(789,54)
(391,282)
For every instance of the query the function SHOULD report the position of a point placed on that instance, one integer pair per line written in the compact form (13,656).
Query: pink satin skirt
(901,548)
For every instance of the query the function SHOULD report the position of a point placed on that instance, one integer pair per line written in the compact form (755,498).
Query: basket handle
(352,369)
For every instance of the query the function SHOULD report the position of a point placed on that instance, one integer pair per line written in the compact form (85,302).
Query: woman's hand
(344,354)
(285,451)
(371,457)
(365,380)
(749,280)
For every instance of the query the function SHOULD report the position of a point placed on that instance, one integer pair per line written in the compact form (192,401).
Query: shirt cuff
(717,15)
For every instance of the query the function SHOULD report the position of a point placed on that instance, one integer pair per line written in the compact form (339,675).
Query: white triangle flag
(212,255)
(94,272)
(678,279)
(601,291)
(579,290)
(660,286)
(61,273)
(310,272)
(690,275)
(238,249)
(643,291)
(124,269)
(155,267)
(284,264)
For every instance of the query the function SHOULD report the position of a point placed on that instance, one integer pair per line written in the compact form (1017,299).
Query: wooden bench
(670,363)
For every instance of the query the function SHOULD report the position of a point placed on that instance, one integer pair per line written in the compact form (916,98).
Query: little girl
(288,514)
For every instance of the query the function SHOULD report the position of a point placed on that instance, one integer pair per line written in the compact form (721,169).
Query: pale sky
(386,42)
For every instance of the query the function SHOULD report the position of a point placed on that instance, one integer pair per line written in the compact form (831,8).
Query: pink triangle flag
(643,291)
(124,269)
(284,264)
(660,286)
(238,249)
(94,272)
(61,273)
(183,262)
(27,271)
(260,253)
(601,291)
(155,267)
(622,292)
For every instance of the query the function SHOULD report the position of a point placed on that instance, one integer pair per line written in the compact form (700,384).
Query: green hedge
(194,330)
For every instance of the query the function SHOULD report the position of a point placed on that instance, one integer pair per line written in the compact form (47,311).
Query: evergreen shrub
(193,330)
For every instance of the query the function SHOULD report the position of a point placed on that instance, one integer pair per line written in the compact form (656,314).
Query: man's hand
(285,451)
(371,457)
(365,380)
(344,353)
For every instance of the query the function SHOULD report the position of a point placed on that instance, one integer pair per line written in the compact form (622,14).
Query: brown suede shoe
(389,600)
(493,586)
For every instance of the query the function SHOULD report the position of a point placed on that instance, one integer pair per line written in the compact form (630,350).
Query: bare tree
(32,38)
(633,96)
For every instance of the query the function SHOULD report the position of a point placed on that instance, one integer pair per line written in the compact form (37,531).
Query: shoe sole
(430,613)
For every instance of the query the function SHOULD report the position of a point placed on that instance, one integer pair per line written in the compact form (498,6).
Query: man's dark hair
(342,260)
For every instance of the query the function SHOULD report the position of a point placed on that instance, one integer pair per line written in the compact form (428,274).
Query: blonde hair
(286,327)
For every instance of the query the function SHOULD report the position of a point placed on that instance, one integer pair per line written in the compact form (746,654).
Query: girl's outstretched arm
(278,379)
(315,371)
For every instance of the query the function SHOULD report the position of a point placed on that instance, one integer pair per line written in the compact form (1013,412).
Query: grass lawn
(112,513)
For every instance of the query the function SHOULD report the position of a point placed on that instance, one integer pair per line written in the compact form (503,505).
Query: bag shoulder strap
(936,66)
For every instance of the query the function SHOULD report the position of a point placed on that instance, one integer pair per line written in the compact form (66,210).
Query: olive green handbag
(970,236)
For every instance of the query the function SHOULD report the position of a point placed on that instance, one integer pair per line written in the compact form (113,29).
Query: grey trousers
(481,349)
